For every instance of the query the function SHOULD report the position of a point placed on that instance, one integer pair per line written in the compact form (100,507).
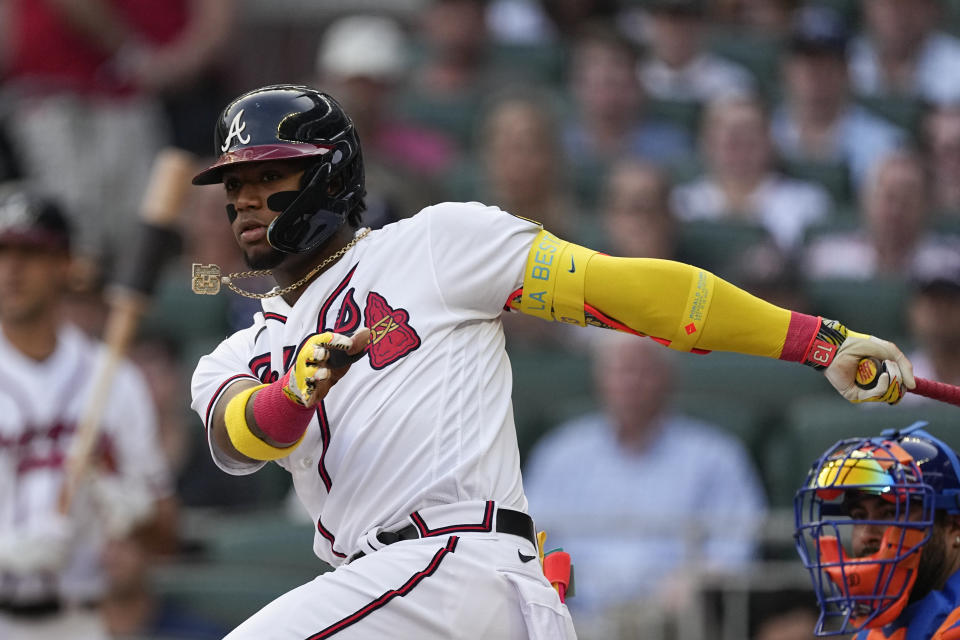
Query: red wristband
(800,335)
(278,417)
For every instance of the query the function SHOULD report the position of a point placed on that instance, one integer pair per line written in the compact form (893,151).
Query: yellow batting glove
(837,352)
(310,367)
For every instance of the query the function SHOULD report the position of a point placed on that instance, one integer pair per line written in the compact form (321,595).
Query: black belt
(509,521)
(40,608)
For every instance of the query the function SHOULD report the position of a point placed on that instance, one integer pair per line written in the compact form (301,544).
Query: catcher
(407,463)
(878,528)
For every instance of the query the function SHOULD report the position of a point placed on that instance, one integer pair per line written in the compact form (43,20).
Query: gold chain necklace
(207,278)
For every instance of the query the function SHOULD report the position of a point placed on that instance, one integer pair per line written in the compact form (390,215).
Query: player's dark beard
(268,260)
(933,564)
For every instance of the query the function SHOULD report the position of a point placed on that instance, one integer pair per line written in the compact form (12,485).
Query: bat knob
(868,373)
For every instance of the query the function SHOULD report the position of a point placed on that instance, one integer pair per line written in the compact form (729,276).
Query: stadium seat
(225,593)
(904,111)
(742,419)
(543,64)
(267,537)
(761,387)
(465,181)
(245,560)
(549,387)
(833,176)
(759,54)
(683,113)
(874,306)
(457,117)
(715,245)
(588,183)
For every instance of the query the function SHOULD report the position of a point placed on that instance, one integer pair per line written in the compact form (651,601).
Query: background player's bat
(128,297)
(869,370)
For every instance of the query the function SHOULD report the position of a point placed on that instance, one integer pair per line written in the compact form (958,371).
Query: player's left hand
(891,383)
(321,363)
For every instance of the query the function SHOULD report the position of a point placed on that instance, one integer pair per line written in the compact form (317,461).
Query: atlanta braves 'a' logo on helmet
(237,125)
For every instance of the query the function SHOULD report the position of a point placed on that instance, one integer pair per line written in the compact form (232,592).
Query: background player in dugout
(52,578)
(409,466)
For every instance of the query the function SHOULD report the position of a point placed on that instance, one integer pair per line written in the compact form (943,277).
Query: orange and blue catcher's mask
(913,474)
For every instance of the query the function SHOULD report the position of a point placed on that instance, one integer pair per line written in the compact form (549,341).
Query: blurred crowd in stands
(808,151)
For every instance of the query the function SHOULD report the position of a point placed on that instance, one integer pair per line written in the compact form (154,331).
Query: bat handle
(938,391)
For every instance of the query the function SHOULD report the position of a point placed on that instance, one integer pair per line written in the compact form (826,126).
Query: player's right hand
(318,367)
(891,384)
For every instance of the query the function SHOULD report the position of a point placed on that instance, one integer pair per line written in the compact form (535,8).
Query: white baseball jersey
(420,430)
(425,418)
(41,404)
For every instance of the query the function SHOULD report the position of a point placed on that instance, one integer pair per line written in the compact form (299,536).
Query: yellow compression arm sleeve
(688,306)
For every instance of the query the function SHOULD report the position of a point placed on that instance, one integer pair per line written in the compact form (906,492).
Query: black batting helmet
(283,122)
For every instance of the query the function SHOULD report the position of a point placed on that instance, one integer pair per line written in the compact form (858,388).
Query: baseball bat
(128,299)
(869,370)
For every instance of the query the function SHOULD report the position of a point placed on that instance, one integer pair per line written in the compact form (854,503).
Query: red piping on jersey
(426,532)
(270,315)
(219,391)
(325,438)
(330,538)
(387,596)
(321,317)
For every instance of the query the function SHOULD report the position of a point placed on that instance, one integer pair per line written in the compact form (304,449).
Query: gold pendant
(206,279)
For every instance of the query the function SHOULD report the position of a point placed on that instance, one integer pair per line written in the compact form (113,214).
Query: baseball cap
(29,219)
(363,45)
(937,269)
(819,29)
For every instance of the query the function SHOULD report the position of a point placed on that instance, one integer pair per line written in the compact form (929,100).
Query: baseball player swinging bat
(128,299)
(869,371)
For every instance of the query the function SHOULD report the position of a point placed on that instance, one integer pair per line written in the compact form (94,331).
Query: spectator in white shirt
(893,225)
(903,52)
(741,180)
(818,121)
(679,66)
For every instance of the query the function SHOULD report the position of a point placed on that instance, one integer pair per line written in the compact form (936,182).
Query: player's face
(248,186)
(866,537)
(31,281)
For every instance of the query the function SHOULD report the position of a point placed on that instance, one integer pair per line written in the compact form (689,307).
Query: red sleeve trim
(800,335)
(219,392)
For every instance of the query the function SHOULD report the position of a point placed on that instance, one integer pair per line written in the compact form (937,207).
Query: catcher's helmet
(914,474)
(282,122)
(28,218)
